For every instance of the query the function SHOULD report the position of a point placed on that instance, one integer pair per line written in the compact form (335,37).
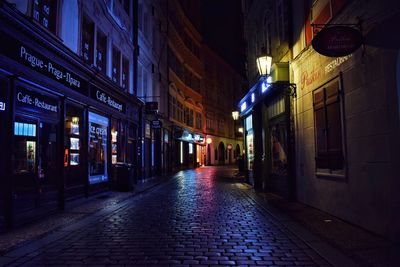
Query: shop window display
(98,127)
(114,141)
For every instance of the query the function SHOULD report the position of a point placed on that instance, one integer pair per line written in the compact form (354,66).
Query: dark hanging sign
(24,54)
(106,99)
(151,106)
(156,124)
(337,41)
(31,101)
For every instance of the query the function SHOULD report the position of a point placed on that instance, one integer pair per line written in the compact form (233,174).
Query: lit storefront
(269,133)
(189,148)
(69,128)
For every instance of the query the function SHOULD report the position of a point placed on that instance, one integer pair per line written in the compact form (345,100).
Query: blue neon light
(243,106)
(253,98)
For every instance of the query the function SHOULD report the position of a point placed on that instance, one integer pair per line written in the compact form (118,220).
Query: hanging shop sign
(337,41)
(106,99)
(156,124)
(36,61)
(31,101)
(197,138)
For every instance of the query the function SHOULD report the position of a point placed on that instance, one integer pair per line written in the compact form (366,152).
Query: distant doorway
(221,153)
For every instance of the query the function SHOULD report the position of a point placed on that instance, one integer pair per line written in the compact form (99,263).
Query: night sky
(222,30)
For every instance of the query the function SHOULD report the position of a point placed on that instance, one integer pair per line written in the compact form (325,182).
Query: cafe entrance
(36,155)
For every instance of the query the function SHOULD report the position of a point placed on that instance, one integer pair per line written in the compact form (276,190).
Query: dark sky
(222,30)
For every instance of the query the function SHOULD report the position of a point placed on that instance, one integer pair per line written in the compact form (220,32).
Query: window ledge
(323,174)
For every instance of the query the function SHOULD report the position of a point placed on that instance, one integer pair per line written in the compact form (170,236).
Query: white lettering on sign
(98,130)
(27,99)
(336,63)
(36,62)
(108,100)
(2,106)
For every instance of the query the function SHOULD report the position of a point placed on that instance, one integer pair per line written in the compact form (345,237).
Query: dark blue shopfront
(64,129)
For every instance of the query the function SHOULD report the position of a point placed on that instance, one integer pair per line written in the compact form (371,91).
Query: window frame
(331,172)
(56,19)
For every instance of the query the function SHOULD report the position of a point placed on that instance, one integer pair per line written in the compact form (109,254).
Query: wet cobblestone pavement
(199,218)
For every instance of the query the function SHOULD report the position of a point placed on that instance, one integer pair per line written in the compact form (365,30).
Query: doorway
(35,163)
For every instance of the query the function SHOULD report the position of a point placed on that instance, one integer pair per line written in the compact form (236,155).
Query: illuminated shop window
(98,128)
(190,148)
(114,142)
(181,150)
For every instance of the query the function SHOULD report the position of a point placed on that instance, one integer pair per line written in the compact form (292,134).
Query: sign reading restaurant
(32,101)
(22,53)
(106,99)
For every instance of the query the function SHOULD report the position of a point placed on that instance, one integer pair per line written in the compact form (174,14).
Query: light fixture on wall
(235,115)
(264,63)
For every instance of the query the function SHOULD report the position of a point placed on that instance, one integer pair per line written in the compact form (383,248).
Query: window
(328,128)
(140,90)
(87,40)
(116,67)
(125,73)
(280,21)
(267,33)
(198,120)
(191,118)
(98,128)
(101,52)
(140,16)
(127,5)
(114,141)
(173,108)
(45,12)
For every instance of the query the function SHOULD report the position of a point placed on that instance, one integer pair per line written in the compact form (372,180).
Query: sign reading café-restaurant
(337,41)
(106,99)
(32,101)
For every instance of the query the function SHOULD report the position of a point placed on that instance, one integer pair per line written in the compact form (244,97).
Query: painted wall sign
(337,41)
(106,99)
(336,63)
(23,54)
(32,101)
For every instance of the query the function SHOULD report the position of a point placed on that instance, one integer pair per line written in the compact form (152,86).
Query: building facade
(223,88)
(152,84)
(69,108)
(345,109)
(186,111)
(267,109)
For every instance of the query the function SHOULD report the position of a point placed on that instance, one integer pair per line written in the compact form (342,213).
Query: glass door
(25,163)
(34,163)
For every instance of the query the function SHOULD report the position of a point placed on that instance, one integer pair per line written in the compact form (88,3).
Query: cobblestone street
(200,217)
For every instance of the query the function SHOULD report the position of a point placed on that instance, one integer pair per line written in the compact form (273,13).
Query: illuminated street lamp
(235,115)
(264,65)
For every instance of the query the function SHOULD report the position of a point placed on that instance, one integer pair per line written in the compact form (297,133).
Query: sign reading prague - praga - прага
(337,41)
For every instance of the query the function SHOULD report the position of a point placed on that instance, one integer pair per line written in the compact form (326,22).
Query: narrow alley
(199,217)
